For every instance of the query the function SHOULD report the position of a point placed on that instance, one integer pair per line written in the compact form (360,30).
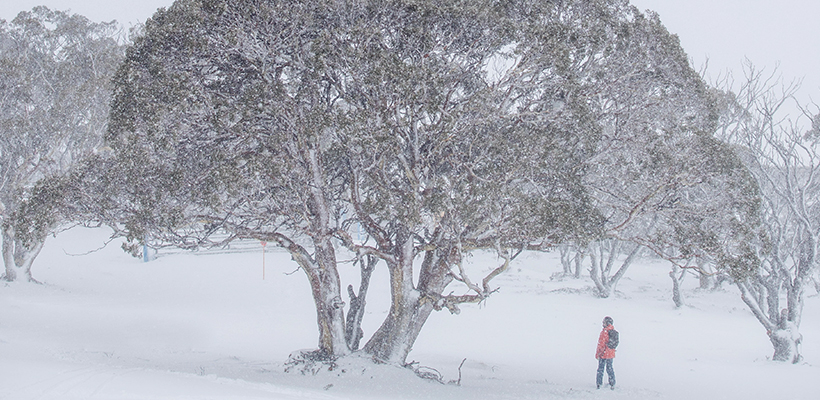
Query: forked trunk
(394,339)
(323,274)
(410,307)
(601,272)
(783,327)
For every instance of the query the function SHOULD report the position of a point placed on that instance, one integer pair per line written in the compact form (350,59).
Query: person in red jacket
(605,354)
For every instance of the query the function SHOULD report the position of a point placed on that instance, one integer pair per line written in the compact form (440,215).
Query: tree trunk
(329,304)
(787,338)
(410,307)
(18,258)
(353,328)
(786,344)
(613,281)
(325,286)
(566,262)
(596,273)
(706,275)
(677,278)
(783,331)
(393,340)
(579,259)
(324,276)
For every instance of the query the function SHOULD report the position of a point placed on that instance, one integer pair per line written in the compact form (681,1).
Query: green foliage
(216,110)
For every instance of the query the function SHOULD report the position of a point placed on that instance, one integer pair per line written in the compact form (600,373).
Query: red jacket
(602,351)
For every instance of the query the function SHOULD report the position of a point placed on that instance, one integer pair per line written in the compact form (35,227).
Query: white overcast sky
(768,32)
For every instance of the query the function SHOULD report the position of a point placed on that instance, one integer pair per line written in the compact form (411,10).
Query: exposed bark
(394,339)
(353,328)
(329,303)
(399,101)
(410,306)
(325,286)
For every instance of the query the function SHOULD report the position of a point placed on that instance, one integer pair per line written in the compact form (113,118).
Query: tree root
(310,362)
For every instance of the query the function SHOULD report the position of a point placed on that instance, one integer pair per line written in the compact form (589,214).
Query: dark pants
(605,362)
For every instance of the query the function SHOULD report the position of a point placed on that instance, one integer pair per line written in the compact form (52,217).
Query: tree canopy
(435,128)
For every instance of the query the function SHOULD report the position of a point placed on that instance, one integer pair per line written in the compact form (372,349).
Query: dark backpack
(612,343)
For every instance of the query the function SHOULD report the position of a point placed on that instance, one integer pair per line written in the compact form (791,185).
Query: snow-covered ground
(207,326)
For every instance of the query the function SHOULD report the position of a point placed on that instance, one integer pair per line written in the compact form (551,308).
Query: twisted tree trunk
(411,305)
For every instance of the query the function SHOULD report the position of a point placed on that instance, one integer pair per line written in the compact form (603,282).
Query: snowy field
(105,325)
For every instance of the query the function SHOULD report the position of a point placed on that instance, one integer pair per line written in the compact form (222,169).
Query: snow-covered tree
(54,93)
(224,118)
(473,141)
(262,124)
(439,127)
(783,157)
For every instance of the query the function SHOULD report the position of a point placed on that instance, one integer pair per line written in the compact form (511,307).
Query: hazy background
(767,32)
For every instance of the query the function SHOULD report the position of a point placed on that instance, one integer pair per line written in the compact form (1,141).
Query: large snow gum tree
(55,71)
(437,127)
